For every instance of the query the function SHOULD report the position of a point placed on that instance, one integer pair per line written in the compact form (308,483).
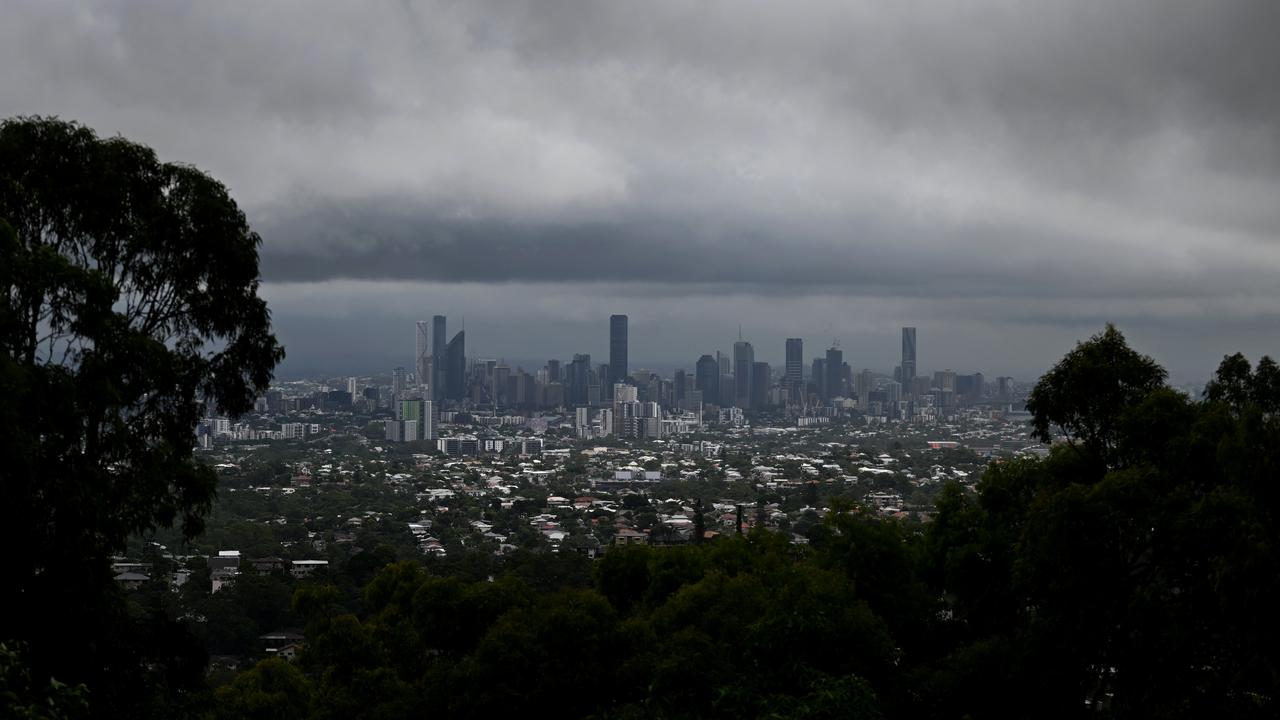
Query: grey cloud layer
(1053,156)
(863,256)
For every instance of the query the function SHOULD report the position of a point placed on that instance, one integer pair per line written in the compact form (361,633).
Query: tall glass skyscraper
(579,380)
(456,367)
(618,370)
(744,358)
(833,386)
(908,357)
(760,377)
(794,369)
(439,362)
(422,353)
(706,375)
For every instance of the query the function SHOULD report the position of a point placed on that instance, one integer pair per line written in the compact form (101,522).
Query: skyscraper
(727,390)
(744,358)
(455,384)
(865,381)
(945,380)
(892,397)
(422,357)
(439,372)
(818,375)
(413,413)
(618,369)
(834,384)
(579,380)
(398,383)
(795,362)
(908,356)
(707,379)
(498,384)
(760,377)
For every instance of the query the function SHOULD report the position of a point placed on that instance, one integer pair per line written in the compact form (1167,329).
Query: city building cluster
(611,399)
(445,390)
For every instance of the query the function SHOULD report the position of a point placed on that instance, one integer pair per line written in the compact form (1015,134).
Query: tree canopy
(129,306)
(1088,390)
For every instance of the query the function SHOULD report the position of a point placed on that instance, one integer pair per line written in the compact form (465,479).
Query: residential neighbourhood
(308,507)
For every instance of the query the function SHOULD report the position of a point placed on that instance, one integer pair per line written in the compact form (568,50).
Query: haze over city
(1005,176)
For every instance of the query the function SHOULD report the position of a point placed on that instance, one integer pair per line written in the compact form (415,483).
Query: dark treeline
(1132,573)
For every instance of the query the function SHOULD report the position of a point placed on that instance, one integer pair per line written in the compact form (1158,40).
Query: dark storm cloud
(866,258)
(1020,164)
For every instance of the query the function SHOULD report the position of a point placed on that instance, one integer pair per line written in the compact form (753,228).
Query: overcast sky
(1006,176)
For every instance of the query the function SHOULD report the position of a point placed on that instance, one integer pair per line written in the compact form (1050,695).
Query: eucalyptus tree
(128,307)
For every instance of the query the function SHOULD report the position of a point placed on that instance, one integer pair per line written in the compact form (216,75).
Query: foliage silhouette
(129,307)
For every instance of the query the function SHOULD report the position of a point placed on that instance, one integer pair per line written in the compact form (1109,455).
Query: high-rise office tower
(693,403)
(727,390)
(945,380)
(744,358)
(795,362)
(439,363)
(553,395)
(603,378)
(725,362)
(553,371)
(618,369)
(818,374)
(455,384)
(678,386)
(579,379)
(625,409)
(892,398)
(760,377)
(707,379)
(422,356)
(908,356)
(520,388)
(498,384)
(834,384)
(864,385)
(398,383)
(921,386)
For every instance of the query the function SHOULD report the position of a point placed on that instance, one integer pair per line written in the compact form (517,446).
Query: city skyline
(652,402)
(882,353)
(618,365)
